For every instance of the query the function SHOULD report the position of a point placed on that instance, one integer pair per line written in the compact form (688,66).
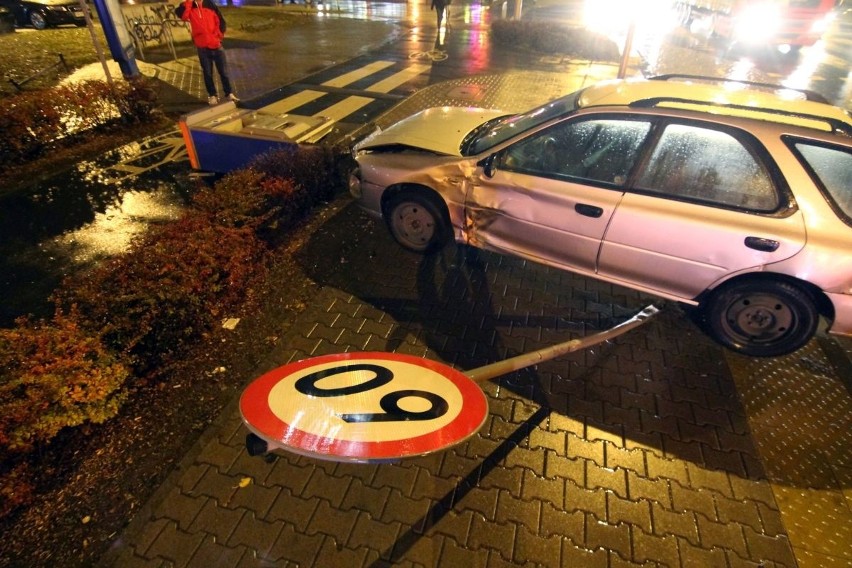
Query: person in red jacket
(208,29)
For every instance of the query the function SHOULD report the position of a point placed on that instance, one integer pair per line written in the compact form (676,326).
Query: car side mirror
(488,165)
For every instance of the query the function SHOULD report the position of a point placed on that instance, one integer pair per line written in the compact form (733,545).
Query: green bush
(34,121)
(134,314)
(252,199)
(170,289)
(319,171)
(54,375)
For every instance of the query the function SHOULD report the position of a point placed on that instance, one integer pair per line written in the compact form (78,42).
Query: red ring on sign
(260,419)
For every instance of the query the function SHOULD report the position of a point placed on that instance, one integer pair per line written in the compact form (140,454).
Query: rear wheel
(417,223)
(761,318)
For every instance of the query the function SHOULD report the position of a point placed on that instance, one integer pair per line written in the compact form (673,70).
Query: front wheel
(416,222)
(761,318)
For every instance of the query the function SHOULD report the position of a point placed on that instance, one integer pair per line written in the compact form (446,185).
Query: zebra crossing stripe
(349,105)
(358,74)
(397,79)
(287,104)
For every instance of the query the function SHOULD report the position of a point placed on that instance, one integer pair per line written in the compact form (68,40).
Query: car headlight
(821,25)
(355,183)
(758,23)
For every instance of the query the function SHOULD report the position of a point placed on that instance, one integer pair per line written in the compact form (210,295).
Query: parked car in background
(42,14)
(732,197)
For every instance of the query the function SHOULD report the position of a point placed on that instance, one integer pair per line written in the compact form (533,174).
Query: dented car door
(550,196)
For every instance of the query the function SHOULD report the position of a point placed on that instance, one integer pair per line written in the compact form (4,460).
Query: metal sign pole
(547,353)
(628,47)
(98,48)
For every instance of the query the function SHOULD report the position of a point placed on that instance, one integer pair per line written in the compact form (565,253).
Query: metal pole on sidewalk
(628,47)
(98,47)
(527,359)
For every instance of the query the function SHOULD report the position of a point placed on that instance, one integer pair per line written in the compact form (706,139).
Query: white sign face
(364,406)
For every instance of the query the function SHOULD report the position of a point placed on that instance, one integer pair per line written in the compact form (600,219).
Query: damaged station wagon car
(731,197)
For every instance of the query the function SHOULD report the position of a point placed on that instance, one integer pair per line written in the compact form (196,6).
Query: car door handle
(588,210)
(761,244)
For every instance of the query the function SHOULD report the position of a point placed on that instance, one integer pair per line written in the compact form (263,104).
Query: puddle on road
(83,215)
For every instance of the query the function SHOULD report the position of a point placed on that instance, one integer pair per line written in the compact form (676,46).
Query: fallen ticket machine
(223,138)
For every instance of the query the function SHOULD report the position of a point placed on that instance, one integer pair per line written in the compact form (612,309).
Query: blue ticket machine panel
(223,138)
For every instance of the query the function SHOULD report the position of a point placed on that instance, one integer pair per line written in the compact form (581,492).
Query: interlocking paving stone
(656,490)
(217,520)
(293,509)
(371,533)
(174,545)
(327,487)
(680,524)
(661,549)
(581,499)
(406,511)
(612,537)
(454,554)
(517,511)
(214,553)
(183,509)
(695,557)
(296,547)
(542,489)
(335,554)
(573,555)
(256,534)
(614,480)
(723,535)
(532,548)
(289,474)
(636,513)
(485,533)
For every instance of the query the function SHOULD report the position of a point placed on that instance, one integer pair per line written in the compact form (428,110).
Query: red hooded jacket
(205,20)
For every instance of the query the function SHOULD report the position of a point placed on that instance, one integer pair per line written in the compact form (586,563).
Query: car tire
(37,20)
(417,223)
(761,318)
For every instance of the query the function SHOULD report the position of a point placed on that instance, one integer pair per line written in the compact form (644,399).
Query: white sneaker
(232,97)
(212,100)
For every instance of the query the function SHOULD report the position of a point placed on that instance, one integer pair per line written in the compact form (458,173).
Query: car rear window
(831,167)
(707,165)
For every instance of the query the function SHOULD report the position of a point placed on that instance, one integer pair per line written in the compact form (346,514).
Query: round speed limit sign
(364,407)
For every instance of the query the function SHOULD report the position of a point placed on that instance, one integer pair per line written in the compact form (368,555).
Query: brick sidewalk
(633,453)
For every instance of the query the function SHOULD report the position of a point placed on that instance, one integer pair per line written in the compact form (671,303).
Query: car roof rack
(837,126)
(808,94)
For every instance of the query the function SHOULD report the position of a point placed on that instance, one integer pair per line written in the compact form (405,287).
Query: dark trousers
(209,58)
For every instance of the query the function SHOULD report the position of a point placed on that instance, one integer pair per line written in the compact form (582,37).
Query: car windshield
(498,130)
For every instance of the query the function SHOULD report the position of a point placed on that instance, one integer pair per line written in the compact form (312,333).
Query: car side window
(832,167)
(707,165)
(601,150)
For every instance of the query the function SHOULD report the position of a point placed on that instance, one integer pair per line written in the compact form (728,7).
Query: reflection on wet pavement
(87,213)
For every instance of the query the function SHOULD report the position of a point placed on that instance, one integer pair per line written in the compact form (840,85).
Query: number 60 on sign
(364,407)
